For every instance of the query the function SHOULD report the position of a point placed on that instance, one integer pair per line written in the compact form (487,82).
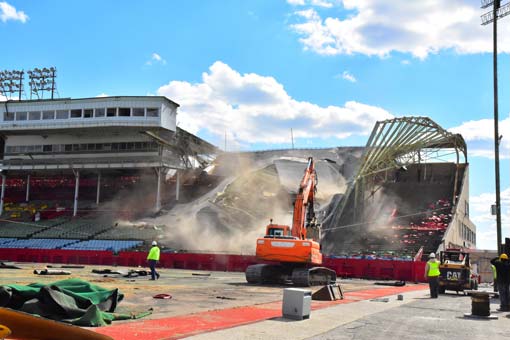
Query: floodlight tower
(11,82)
(497,12)
(42,80)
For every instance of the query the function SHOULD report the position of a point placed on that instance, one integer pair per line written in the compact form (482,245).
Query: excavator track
(265,273)
(314,276)
(299,276)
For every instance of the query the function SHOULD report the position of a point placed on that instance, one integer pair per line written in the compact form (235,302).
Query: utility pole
(497,12)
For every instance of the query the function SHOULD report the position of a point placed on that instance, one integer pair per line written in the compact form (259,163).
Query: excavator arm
(303,205)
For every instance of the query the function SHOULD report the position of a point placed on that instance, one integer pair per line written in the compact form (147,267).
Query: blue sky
(328,69)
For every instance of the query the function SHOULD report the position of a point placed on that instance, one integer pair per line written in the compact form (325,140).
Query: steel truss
(396,143)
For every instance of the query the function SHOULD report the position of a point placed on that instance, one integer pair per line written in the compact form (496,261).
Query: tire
(442,289)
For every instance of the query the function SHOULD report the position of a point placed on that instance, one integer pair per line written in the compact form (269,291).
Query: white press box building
(95,135)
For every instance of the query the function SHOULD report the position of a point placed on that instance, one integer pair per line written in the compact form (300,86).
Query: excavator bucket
(329,293)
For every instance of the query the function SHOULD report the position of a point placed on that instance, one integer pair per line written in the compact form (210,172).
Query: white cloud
(9,12)
(255,108)
(479,135)
(379,27)
(486,223)
(155,59)
(347,76)
(405,62)
(102,95)
(13,96)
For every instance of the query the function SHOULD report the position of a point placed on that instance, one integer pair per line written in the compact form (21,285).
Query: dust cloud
(254,189)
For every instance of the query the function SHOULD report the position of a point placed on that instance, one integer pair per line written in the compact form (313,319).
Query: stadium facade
(97,138)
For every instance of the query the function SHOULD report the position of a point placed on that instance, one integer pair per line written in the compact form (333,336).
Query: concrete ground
(192,291)
(195,297)
(416,317)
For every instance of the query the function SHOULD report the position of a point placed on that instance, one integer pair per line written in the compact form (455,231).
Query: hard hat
(154,243)
(432,255)
(503,256)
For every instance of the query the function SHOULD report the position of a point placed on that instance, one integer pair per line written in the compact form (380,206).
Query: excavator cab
(278,231)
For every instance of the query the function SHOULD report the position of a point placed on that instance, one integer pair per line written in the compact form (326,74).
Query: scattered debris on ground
(51,272)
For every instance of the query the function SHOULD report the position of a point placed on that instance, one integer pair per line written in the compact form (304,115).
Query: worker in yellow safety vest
(153,258)
(495,278)
(432,275)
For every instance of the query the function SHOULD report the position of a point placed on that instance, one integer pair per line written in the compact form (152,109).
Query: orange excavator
(299,257)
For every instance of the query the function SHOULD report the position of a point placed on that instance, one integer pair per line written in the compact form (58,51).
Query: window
(88,113)
(8,116)
(76,147)
(138,112)
(152,112)
(107,147)
(62,114)
(76,113)
(48,115)
(130,146)
(9,149)
(47,148)
(124,111)
(466,208)
(115,146)
(100,112)
(68,147)
(21,116)
(91,147)
(111,112)
(35,115)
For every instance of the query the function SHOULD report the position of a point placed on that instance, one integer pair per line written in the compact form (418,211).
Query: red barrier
(352,268)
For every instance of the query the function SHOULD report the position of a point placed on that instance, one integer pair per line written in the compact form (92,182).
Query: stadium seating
(38,243)
(6,240)
(75,229)
(111,245)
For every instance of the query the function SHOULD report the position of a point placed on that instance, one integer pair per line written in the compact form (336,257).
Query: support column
(177,185)
(27,198)
(158,190)
(2,195)
(98,188)
(76,189)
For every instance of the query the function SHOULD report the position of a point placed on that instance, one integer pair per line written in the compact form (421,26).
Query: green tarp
(74,301)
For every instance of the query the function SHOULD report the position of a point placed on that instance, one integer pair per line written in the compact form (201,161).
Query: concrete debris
(225,298)
(51,272)
(8,265)
(393,284)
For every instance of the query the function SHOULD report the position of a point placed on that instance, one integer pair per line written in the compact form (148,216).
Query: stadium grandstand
(70,168)
(75,172)
(410,192)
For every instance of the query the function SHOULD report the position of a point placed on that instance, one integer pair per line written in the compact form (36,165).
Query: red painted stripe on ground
(187,325)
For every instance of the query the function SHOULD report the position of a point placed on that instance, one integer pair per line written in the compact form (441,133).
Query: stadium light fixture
(493,16)
(41,81)
(11,82)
